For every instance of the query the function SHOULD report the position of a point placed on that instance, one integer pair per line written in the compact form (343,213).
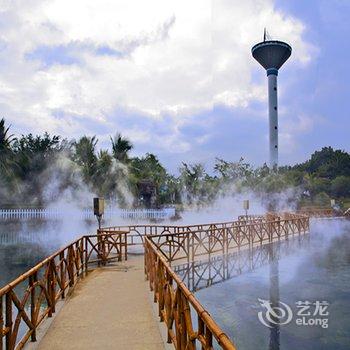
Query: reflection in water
(274,299)
(312,267)
(205,273)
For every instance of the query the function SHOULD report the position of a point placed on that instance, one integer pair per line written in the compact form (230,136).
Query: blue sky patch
(51,55)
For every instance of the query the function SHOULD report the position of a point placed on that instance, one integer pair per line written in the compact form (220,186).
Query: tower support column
(273,116)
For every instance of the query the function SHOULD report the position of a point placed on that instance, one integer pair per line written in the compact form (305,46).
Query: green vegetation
(35,170)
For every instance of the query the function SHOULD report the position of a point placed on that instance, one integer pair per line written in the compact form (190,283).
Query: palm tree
(6,159)
(5,138)
(104,180)
(85,155)
(120,148)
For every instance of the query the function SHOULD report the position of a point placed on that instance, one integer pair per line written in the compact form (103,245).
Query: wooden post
(53,285)
(169,307)
(192,247)
(161,299)
(86,254)
(183,322)
(81,255)
(71,266)
(208,338)
(155,279)
(201,329)
(99,247)
(170,251)
(8,321)
(102,248)
(177,313)
(1,322)
(126,245)
(62,274)
(32,281)
(145,263)
(188,248)
(49,289)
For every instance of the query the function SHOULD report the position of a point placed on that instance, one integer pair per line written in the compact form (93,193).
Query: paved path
(109,309)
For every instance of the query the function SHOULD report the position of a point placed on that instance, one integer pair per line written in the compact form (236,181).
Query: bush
(322,199)
(340,186)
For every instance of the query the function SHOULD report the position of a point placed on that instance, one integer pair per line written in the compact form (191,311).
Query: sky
(177,77)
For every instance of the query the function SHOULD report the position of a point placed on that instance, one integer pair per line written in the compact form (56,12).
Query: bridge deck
(109,309)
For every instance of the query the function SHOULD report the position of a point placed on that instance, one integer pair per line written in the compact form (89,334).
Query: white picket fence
(110,213)
(147,213)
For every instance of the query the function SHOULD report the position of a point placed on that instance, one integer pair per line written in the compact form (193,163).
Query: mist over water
(228,206)
(23,243)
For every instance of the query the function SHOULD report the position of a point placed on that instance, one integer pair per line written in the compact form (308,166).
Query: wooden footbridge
(102,297)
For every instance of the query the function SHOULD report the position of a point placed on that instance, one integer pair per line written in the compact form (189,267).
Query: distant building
(147,193)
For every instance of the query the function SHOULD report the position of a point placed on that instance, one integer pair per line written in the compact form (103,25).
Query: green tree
(322,199)
(327,163)
(84,155)
(232,170)
(317,185)
(169,191)
(8,183)
(5,138)
(34,153)
(147,168)
(195,183)
(341,186)
(121,146)
(104,177)
(6,154)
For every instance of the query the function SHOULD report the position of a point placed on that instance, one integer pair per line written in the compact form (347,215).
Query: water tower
(271,54)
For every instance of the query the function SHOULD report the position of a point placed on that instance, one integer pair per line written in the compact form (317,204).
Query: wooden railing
(177,306)
(212,240)
(250,217)
(28,300)
(318,212)
(175,303)
(138,232)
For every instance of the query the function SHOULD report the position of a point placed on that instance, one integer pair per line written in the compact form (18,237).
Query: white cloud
(174,57)
(292,128)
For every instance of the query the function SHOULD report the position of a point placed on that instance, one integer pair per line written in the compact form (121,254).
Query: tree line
(37,169)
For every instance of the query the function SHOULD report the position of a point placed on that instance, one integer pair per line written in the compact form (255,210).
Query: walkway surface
(108,309)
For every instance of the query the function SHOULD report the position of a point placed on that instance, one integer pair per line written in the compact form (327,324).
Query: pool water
(306,278)
(24,244)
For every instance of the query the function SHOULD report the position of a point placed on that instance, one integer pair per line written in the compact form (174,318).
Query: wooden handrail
(166,284)
(194,244)
(140,231)
(173,296)
(33,296)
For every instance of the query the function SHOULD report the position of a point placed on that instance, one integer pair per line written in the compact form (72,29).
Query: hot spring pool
(303,285)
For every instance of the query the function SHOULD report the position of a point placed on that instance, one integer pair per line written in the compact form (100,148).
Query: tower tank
(272,54)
